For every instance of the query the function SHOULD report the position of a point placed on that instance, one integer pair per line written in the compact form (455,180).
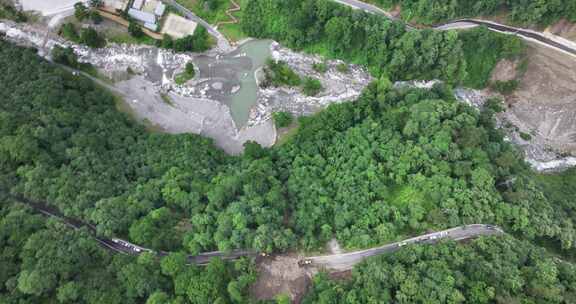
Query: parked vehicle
(303,263)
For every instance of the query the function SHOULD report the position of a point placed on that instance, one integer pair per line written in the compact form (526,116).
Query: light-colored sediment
(144,73)
(337,86)
(281,275)
(544,105)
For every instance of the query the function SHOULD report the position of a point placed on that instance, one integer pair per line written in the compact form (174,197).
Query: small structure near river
(223,101)
(148,12)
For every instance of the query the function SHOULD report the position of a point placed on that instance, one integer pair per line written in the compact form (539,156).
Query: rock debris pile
(337,86)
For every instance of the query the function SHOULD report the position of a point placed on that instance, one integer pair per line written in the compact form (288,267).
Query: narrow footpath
(230,13)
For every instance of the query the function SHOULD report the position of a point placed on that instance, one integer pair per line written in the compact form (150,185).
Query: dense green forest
(487,270)
(335,30)
(395,163)
(44,261)
(400,162)
(524,12)
(64,142)
(8,11)
(384,47)
(483,49)
(392,164)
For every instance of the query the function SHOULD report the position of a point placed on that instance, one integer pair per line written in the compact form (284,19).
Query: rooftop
(142,16)
(178,27)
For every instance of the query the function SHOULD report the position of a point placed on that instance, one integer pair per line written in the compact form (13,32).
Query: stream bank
(223,101)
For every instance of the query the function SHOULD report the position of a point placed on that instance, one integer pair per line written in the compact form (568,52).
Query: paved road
(223,43)
(548,40)
(346,261)
(355,4)
(369,8)
(122,246)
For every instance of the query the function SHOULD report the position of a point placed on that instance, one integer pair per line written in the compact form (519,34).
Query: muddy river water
(232,77)
(223,101)
(242,101)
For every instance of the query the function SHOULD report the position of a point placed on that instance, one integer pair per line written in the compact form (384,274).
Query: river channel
(232,77)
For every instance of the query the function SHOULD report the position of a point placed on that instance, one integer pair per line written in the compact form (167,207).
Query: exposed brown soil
(550,77)
(564,28)
(341,276)
(544,105)
(396,11)
(281,275)
(505,70)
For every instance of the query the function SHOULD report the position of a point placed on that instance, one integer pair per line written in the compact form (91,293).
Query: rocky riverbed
(337,86)
(538,151)
(145,77)
(213,103)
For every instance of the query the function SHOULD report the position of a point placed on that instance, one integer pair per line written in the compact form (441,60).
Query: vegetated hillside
(524,12)
(8,11)
(560,191)
(392,164)
(63,141)
(483,49)
(383,46)
(401,162)
(47,262)
(486,270)
(336,30)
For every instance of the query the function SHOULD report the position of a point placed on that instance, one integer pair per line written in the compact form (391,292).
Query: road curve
(118,245)
(340,262)
(223,43)
(549,40)
(356,4)
(346,261)
(546,39)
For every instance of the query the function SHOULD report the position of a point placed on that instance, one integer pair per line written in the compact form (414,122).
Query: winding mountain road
(119,245)
(546,39)
(346,261)
(356,4)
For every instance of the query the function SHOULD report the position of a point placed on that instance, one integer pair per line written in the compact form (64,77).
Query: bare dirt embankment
(281,275)
(564,28)
(544,105)
(505,70)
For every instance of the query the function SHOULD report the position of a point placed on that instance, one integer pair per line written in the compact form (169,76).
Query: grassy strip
(218,14)
(189,73)
(126,38)
(166,99)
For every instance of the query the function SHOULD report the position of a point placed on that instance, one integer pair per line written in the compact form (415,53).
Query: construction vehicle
(303,263)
